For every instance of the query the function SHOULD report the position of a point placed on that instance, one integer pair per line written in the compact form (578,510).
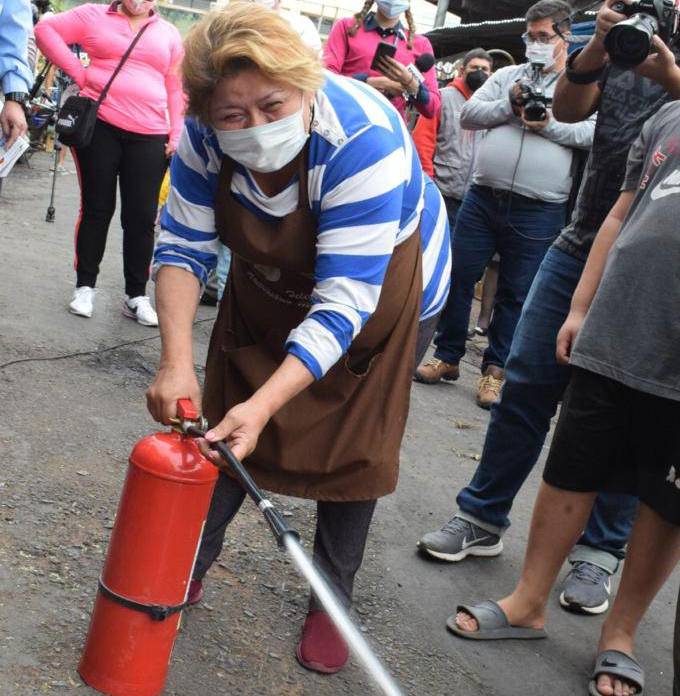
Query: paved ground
(66,427)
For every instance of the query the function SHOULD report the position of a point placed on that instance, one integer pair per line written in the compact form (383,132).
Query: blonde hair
(240,37)
(360,16)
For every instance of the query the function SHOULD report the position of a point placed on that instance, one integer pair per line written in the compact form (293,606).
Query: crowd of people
(350,207)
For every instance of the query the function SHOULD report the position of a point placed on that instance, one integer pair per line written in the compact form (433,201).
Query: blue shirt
(16,24)
(367,191)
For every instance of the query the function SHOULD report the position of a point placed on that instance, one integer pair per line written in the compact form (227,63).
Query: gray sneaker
(458,539)
(586,589)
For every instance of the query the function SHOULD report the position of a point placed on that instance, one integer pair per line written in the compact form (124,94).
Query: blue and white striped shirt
(367,191)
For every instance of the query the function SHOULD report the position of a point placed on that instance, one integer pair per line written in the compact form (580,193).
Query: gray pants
(339,542)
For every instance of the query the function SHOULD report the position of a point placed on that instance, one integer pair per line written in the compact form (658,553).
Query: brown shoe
(434,370)
(488,390)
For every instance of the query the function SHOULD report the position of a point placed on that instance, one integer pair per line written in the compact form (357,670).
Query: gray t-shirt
(632,331)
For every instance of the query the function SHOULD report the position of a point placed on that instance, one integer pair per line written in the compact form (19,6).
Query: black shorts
(612,438)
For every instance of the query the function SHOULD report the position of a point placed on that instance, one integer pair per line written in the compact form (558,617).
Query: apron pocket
(334,425)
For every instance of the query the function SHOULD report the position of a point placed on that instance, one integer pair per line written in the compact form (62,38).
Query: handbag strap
(126,55)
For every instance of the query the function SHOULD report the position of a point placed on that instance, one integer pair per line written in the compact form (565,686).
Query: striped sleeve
(188,238)
(436,243)
(360,207)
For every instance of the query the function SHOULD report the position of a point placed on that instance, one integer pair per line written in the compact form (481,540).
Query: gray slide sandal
(493,624)
(614,663)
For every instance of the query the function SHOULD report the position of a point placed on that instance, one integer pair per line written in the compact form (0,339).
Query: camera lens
(535,111)
(629,43)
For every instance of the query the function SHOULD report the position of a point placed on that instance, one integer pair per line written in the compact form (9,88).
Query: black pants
(138,162)
(341,531)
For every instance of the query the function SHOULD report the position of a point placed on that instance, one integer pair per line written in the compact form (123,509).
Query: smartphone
(384,49)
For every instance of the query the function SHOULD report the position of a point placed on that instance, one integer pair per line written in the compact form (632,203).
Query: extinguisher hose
(289,540)
(280,528)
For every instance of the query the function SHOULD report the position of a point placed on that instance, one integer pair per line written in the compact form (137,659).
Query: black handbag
(78,116)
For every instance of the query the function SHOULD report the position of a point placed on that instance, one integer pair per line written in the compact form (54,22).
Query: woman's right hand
(567,336)
(172,382)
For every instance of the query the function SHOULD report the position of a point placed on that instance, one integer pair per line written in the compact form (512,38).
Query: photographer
(517,203)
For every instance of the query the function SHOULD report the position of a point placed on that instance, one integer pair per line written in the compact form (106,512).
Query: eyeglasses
(541,38)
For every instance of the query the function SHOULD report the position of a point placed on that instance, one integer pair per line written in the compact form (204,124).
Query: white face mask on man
(265,148)
(542,53)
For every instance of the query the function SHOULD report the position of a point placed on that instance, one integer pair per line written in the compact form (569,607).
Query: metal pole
(49,216)
(442,9)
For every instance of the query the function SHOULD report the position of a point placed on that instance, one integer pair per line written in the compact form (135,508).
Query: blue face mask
(393,8)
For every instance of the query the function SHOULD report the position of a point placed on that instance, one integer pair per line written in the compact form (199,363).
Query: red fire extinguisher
(145,581)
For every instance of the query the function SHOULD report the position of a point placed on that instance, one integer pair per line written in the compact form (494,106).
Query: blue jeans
(534,384)
(521,230)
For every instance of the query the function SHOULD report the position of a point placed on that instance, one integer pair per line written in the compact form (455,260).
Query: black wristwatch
(19,97)
(582,78)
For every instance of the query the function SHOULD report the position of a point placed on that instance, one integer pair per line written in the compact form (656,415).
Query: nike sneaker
(82,302)
(140,309)
(586,589)
(458,539)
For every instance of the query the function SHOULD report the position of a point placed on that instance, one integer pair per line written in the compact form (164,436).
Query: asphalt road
(69,415)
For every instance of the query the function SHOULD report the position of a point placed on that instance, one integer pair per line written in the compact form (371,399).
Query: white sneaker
(140,309)
(82,303)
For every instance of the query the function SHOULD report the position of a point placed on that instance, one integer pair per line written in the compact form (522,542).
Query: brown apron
(339,439)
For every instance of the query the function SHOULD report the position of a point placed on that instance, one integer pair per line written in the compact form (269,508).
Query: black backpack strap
(126,55)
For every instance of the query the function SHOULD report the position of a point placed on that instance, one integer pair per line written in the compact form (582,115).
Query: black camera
(533,99)
(629,42)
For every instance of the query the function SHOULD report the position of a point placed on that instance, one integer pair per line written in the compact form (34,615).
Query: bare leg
(653,553)
(488,295)
(558,520)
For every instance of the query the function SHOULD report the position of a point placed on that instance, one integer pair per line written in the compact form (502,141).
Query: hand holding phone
(383,49)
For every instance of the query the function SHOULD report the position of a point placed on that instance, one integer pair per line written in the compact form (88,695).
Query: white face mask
(139,7)
(393,8)
(541,53)
(265,148)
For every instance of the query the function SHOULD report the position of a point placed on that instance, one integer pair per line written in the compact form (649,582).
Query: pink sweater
(349,55)
(147,91)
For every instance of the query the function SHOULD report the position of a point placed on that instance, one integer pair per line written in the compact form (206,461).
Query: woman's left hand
(393,69)
(239,429)
(170,149)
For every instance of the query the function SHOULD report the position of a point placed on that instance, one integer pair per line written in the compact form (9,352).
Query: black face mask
(476,79)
